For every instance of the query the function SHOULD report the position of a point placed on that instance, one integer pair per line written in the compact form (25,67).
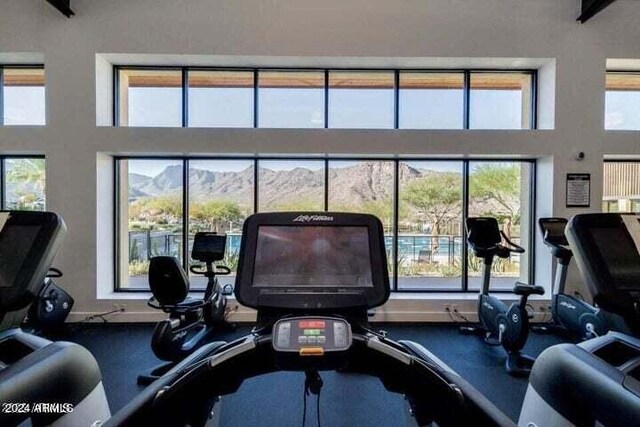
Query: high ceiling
(589,8)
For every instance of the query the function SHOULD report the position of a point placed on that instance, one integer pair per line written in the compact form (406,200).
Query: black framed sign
(578,190)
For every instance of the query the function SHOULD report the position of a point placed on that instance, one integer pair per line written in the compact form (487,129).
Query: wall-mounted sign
(578,190)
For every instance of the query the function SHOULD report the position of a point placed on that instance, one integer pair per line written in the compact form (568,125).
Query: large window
(22,97)
(361,100)
(430,225)
(502,190)
(622,106)
(22,183)
(501,101)
(291,99)
(150,97)
(220,199)
(163,202)
(621,189)
(325,98)
(431,100)
(220,98)
(150,216)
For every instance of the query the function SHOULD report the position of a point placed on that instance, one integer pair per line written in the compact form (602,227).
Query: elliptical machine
(568,311)
(501,325)
(192,322)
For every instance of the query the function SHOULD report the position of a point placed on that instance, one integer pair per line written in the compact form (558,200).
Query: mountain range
(351,185)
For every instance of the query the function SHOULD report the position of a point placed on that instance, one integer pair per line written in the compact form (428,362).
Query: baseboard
(246,315)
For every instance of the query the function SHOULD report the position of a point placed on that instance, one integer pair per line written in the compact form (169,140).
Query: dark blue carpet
(123,351)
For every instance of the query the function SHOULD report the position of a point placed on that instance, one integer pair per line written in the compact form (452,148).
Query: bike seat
(525,289)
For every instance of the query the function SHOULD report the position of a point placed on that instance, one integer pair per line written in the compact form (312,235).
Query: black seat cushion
(168,281)
(525,289)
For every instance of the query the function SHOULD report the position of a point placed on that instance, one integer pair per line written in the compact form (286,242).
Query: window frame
(3,169)
(464,284)
(18,67)
(620,71)
(633,160)
(466,72)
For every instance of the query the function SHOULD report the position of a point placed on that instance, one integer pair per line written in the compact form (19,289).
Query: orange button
(312,351)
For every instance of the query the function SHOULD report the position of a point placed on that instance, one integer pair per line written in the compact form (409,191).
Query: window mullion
(116,96)
(185,213)
(466,99)
(534,100)
(256,122)
(326,99)
(185,97)
(3,181)
(326,184)
(465,215)
(396,100)
(396,221)
(532,222)
(256,175)
(1,96)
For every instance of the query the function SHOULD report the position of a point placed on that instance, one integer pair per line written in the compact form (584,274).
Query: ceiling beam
(64,6)
(591,8)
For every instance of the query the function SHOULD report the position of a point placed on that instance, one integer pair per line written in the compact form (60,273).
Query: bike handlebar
(512,247)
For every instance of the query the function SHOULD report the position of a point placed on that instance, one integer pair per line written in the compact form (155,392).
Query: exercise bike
(501,325)
(569,312)
(192,322)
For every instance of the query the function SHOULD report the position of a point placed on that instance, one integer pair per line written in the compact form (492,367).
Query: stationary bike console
(208,247)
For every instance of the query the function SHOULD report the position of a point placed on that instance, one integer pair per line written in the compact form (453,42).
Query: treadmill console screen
(15,243)
(619,253)
(28,244)
(318,256)
(302,261)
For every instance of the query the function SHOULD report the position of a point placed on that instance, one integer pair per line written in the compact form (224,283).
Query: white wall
(391,32)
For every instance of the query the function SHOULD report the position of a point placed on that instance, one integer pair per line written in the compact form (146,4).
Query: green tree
(435,197)
(215,213)
(24,173)
(158,210)
(502,185)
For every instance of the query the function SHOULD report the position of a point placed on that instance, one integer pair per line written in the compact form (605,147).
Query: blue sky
(24,105)
(304,108)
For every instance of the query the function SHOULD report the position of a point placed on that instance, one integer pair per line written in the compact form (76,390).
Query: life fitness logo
(313,218)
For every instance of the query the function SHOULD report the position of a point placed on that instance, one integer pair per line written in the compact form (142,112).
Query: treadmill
(42,383)
(596,382)
(311,277)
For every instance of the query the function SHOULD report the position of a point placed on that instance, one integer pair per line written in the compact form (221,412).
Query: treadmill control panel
(311,336)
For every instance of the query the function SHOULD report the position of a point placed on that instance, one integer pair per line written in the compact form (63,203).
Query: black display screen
(312,256)
(555,229)
(620,255)
(15,243)
(208,246)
